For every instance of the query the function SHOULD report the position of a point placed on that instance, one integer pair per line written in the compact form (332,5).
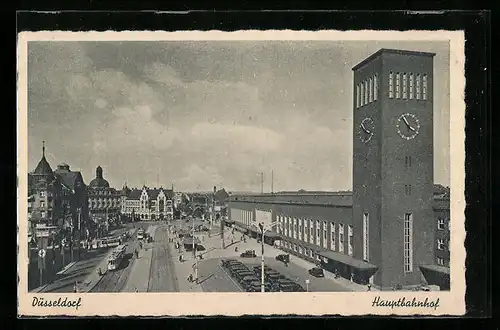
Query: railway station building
(392,229)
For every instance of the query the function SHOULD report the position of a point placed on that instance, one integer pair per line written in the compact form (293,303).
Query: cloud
(196,114)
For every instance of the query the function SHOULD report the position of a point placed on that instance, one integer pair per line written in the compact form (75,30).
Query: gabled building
(56,198)
(148,204)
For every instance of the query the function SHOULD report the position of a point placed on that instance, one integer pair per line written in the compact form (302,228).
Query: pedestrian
(369,287)
(75,288)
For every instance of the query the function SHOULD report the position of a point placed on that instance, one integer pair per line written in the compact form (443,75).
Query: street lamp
(263,231)
(195,259)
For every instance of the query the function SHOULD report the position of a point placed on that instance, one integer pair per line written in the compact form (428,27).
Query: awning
(436,275)
(189,240)
(348,260)
(436,268)
(272,234)
(229,221)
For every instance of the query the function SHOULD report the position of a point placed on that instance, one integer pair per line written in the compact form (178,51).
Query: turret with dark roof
(43,167)
(99,181)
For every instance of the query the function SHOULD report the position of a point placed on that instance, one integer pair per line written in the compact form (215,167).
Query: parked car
(258,269)
(283,258)
(272,276)
(247,281)
(248,254)
(237,268)
(227,262)
(316,272)
(242,274)
(256,287)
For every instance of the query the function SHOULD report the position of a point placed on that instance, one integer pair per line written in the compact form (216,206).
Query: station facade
(392,229)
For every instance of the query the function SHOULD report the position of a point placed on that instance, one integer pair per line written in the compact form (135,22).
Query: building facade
(104,202)
(57,199)
(389,230)
(148,204)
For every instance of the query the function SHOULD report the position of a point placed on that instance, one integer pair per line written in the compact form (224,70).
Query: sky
(201,113)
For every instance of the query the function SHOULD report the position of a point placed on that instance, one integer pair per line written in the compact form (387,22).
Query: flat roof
(348,260)
(391,51)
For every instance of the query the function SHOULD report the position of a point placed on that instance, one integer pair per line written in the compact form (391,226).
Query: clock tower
(393,165)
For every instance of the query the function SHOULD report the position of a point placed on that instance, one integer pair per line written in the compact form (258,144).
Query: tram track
(115,280)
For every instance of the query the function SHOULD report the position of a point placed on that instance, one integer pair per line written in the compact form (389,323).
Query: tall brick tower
(393,165)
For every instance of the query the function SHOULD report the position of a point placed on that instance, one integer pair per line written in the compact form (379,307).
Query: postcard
(241,173)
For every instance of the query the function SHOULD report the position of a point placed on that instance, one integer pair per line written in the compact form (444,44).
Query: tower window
(411,86)
(391,86)
(407,189)
(440,261)
(370,91)
(397,85)
(404,86)
(408,243)
(424,87)
(366,224)
(440,244)
(375,88)
(441,224)
(362,95)
(407,161)
(366,92)
(418,87)
(357,96)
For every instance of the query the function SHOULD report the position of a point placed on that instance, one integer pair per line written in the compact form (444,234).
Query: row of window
(302,250)
(103,192)
(367,91)
(414,86)
(304,230)
(244,216)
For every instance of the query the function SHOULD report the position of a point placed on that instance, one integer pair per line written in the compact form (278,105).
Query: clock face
(366,129)
(408,126)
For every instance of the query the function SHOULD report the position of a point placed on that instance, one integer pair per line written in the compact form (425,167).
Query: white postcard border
(233,304)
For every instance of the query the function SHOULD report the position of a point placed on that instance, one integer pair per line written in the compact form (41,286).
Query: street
(162,277)
(158,268)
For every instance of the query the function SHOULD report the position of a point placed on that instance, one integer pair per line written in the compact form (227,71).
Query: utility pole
(272,181)
(79,228)
(222,223)
(195,259)
(261,182)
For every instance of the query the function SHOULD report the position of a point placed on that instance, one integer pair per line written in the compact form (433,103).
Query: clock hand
(408,124)
(364,128)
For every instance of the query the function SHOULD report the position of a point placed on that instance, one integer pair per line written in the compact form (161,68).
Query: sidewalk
(184,269)
(139,274)
(93,278)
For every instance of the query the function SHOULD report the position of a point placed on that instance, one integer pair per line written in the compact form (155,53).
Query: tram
(116,257)
(140,234)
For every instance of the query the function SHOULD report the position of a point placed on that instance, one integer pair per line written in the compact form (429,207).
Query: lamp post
(195,259)
(263,231)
